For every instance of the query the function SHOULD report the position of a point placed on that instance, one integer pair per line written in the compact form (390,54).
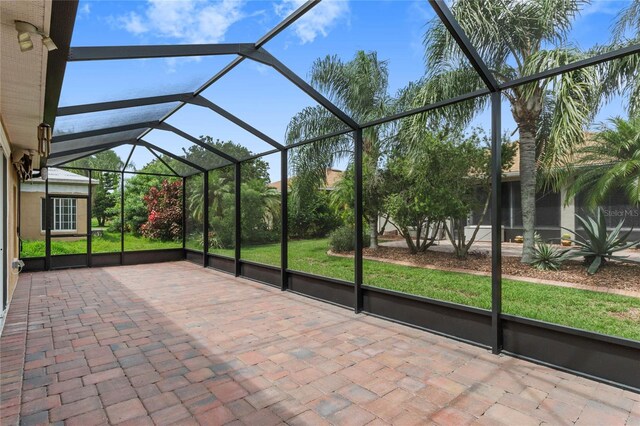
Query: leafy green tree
(517,38)
(610,163)
(420,202)
(359,88)
(260,212)
(311,216)
(136,187)
(103,205)
(437,182)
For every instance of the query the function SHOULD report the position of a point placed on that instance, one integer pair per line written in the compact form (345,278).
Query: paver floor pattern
(175,343)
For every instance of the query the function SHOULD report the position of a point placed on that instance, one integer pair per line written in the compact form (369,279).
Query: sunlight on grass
(589,310)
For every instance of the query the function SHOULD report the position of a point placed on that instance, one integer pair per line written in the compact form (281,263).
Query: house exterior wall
(31,212)
(12,191)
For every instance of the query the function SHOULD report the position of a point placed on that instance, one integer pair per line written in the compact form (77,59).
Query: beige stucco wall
(13,249)
(11,188)
(30,220)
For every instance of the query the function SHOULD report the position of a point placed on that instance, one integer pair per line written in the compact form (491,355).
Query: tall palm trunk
(526,113)
(528,190)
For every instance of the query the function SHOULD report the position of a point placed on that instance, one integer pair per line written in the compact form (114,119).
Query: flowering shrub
(164,207)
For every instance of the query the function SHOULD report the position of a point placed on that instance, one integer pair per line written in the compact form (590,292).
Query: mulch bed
(613,275)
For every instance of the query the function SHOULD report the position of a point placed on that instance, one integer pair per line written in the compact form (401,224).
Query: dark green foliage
(599,245)
(548,258)
(343,239)
(610,163)
(103,205)
(310,213)
(260,213)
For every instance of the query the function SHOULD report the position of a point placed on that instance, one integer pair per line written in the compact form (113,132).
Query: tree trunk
(528,190)
(373,232)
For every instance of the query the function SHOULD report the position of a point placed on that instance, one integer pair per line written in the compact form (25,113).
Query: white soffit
(22,74)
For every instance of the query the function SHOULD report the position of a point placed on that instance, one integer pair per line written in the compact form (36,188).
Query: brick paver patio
(179,344)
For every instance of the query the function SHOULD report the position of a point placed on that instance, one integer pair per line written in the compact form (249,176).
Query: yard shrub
(599,245)
(164,207)
(547,258)
(343,239)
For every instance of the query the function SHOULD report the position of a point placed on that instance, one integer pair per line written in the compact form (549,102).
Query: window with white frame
(64,214)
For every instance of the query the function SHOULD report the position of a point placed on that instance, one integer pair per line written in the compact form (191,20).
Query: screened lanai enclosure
(461,189)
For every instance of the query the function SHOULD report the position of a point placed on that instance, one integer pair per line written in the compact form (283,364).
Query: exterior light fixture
(44,139)
(25,30)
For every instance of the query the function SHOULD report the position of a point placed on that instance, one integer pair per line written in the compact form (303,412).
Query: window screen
(64,214)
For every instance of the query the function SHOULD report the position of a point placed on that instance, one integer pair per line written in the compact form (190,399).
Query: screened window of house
(64,214)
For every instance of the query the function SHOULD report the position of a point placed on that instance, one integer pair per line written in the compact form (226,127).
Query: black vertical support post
(122,218)
(47,226)
(89,233)
(184,213)
(358,209)
(496,222)
(205,222)
(238,220)
(284,220)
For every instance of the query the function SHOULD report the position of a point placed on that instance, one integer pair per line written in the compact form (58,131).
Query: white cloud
(84,10)
(188,21)
(318,21)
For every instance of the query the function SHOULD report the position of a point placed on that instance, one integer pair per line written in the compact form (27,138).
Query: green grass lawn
(108,243)
(589,310)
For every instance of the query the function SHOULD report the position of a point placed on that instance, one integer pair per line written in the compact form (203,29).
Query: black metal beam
(358,212)
(87,149)
(103,53)
(125,103)
(170,128)
(262,56)
(205,222)
(126,163)
(595,60)
(162,161)
(89,230)
(63,14)
(184,212)
(115,171)
(462,98)
(170,154)
(285,23)
(284,222)
(204,102)
(297,14)
(47,226)
(122,218)
(458,34)
(238,218)
(496,222)
(104,131)
(253,157)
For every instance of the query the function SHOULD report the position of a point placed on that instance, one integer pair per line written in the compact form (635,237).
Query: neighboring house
(552,215)
(332,177)
(68,193)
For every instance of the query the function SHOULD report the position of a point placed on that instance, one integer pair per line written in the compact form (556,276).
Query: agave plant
(599,246)
(548,258)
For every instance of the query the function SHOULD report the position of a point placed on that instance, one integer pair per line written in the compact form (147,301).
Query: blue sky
(393,28)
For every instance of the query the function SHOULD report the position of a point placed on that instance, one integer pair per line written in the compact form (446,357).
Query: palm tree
(611,163)
(359,88)
(622,76)
(517,38)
